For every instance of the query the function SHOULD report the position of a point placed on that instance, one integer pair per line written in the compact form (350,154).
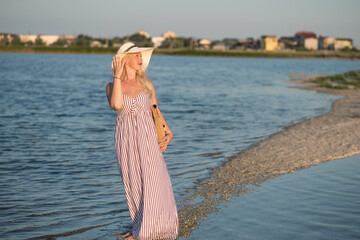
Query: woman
(141,164)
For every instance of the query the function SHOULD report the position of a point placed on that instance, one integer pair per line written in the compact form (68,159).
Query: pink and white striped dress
(144,173)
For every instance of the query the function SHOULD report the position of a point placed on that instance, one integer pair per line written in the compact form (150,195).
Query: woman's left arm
(168,134)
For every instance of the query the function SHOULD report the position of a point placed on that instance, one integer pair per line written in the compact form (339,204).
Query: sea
(58,172)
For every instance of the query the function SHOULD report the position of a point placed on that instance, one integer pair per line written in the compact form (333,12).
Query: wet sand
(331,136)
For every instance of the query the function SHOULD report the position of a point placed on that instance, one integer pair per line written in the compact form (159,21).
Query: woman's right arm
(113,90)
(116,98)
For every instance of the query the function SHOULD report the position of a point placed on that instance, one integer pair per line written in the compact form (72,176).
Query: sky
(211,19)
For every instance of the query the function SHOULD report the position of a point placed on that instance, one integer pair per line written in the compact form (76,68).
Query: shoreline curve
(331,136)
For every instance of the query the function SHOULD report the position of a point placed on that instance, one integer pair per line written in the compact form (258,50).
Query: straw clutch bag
(160,128)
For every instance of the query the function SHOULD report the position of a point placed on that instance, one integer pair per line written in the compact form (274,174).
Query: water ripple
(58,170)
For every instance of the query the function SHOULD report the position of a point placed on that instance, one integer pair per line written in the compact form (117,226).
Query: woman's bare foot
(126,235)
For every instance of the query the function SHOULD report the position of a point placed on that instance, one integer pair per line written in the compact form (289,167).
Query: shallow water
(57,162)
(321,202)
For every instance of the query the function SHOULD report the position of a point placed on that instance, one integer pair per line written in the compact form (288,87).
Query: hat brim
(145,52)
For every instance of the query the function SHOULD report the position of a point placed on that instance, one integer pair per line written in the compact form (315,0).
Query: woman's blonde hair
(141,79)
(144,82)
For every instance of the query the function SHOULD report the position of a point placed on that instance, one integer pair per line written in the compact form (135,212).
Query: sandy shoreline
(331,136)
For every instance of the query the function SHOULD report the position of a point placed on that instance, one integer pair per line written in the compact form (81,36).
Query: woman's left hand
(167,139)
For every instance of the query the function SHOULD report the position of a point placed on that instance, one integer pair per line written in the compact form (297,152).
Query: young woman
(141,164)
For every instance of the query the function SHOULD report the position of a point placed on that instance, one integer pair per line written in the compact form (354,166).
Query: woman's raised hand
(117,66)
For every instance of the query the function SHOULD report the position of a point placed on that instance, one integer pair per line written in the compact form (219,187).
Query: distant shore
(334,135)
(321,54)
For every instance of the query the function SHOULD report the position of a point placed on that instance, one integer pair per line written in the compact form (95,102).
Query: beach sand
(331,136)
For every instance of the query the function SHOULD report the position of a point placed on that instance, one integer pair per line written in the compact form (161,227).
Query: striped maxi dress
(144,173)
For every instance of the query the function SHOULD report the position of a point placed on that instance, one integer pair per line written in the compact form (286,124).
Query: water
(321,202)
(57,161)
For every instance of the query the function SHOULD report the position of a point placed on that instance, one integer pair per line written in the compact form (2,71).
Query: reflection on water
(57,160)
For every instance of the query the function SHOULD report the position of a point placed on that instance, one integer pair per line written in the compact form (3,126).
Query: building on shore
(28,39)
(6,37)
(49,39)
(231,43)
(342,43)
(302,35)
(204,44)
(287,42)
(169,34)
(311,43)
(247,44)
(327,43)
(96,44)
(31,39)
(157,41)
(68,39)
(141,32)
(307,39)
(269,43)
(220,47)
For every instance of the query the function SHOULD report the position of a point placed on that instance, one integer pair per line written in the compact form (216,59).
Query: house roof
(287,38)
(323,38)
(169,34)
(345,39)
(142,32)
(264,36)
(204,42)
(306,34)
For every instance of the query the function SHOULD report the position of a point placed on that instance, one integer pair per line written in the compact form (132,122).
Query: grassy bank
(85,50)
(279,54)
(188,52)
(347,80)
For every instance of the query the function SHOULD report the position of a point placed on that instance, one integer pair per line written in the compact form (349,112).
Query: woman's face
(134,60)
